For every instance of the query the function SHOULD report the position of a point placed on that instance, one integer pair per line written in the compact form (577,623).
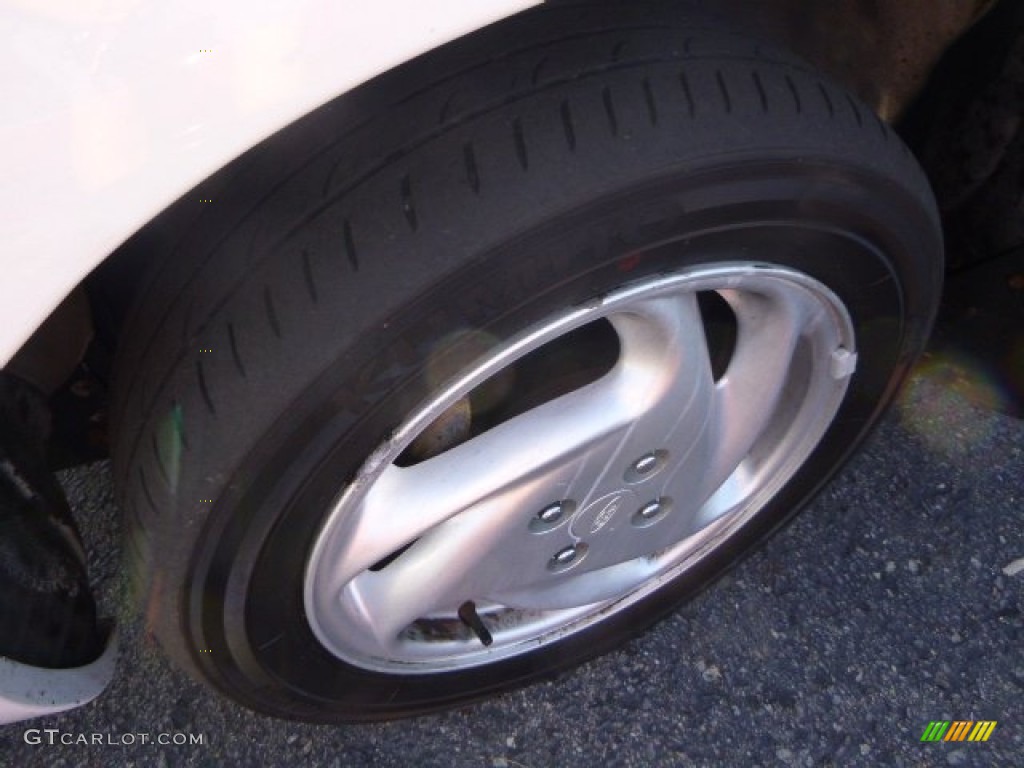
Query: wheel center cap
(604,515)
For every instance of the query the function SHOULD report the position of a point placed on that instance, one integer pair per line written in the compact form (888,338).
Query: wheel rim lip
(680,557)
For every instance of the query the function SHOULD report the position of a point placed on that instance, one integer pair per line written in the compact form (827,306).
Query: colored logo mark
(958,730)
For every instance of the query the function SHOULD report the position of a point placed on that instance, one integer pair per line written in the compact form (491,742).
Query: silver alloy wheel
(553,520)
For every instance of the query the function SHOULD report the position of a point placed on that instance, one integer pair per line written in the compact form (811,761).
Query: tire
(525,259)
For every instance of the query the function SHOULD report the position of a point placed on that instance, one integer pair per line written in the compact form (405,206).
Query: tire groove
(828,100)
(652,106)
(609,110)
(442,116)
(203,389)
(145,491)
(472,174)
(179,423)
(408,204)
(350,245)
(724,90)
(233,343)
(762,94)
(535,75)
(520,141)
(684,83)
(797,103)
(159,460)
(307,272)
(856,110)
(882,127)
(567,125)
(271,311)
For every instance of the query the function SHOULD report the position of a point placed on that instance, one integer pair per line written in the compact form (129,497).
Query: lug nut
(646,467)
(551,514)
(645,464)
(567,557)
(563,557)
(651,510)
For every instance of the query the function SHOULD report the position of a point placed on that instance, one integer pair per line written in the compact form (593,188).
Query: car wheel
(527,344)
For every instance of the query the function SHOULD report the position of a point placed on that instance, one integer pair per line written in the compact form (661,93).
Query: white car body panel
(27,692)
(112,109)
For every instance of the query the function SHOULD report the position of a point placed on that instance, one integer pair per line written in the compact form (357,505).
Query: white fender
(32,691)
(112,109)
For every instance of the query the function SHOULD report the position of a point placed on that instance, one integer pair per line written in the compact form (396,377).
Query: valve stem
(469,616)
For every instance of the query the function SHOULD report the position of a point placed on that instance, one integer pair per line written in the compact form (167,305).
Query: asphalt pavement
(893,601)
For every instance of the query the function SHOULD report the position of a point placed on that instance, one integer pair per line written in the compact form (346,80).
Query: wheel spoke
(661,384)
(447,566)
(582,589)
(668,332)
(747,396)
(551,441)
